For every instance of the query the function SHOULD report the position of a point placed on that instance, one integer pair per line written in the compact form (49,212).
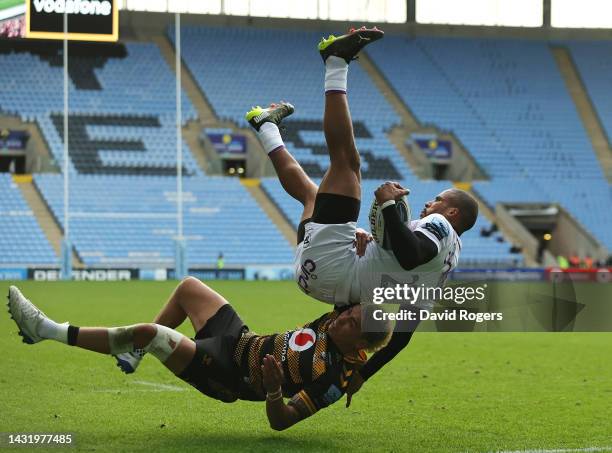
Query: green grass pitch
(446,392)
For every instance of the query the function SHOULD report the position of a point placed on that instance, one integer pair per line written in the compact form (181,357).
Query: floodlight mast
(180,261)
(66,248)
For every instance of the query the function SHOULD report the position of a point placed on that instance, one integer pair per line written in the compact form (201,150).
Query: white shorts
(325,262)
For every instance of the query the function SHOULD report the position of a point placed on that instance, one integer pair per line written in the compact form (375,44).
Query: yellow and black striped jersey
(316,373)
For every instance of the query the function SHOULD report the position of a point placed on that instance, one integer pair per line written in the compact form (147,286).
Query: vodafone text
(85,7)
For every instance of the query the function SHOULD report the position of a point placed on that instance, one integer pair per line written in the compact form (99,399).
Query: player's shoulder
(437,225)
(434,217)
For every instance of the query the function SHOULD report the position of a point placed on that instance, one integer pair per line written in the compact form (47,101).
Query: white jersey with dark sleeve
(379,267)
(448,243)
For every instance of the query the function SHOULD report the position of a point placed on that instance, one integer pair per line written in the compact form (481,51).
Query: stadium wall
(284,272)
(569,237)
(522,236)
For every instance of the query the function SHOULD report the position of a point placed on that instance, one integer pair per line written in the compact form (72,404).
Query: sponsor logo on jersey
(302,339)
(437,228)
(284,350)
(307,268)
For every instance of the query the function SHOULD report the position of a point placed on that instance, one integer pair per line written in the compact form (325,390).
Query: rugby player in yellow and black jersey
(310,365)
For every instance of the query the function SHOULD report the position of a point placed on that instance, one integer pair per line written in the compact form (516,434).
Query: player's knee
(310,196)
(189,285)
(160,341)
(189,282)
(164,341)
(144,334)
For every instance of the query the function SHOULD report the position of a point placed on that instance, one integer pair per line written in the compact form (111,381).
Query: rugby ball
(377,221)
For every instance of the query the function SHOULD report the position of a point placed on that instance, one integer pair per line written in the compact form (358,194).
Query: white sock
(336,71)
(270,137)
(53,331)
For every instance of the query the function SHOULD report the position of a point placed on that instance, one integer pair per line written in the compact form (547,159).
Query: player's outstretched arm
(398,341)
(280,415)
(410,249)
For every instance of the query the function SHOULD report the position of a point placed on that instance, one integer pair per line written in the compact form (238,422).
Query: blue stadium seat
(134,106)
(292,71)
(123,186)
(126,220)
(22,242)
(274,73)
(594,62)
(505,100)
(508,104)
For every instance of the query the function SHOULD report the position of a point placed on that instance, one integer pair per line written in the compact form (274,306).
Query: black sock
(73,333)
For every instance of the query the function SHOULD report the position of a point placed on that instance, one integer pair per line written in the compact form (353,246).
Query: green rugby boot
(273,114)
(348,46)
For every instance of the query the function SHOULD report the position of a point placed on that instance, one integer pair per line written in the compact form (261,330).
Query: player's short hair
(468,208)
(375,332)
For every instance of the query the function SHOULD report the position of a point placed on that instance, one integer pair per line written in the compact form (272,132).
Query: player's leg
(190,299)
(172,348)
(343,176)
(294,180)
(339,196)
(290,173)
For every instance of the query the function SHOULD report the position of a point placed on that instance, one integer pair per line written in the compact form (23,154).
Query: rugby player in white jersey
(328,266)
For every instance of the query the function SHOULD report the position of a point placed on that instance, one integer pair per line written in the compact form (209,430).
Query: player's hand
(272,374)
(354,385)
(362,239)
(390,191)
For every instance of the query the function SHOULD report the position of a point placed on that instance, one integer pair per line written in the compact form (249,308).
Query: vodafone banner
(88,20)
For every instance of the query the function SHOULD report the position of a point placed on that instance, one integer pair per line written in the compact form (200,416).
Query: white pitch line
(168,387)
(153,387)
(562,450)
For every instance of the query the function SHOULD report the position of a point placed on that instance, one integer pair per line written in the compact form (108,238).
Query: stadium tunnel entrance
(552,232)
